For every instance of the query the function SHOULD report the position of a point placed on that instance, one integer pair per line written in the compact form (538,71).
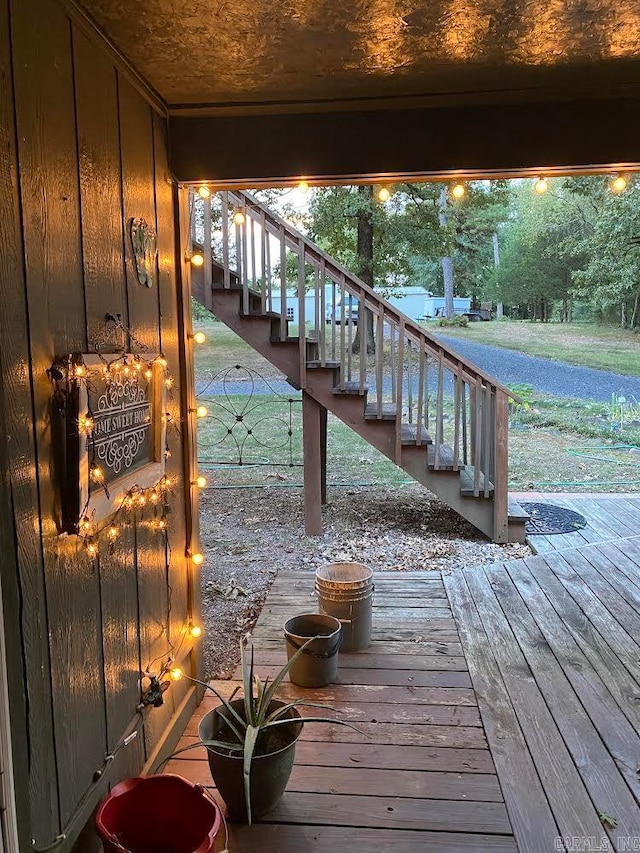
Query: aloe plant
(258,696)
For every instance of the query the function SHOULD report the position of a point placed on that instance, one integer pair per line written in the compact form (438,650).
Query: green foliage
(457,320)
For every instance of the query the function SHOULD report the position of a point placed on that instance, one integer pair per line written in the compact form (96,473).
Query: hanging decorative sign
(116,430)
(144,248)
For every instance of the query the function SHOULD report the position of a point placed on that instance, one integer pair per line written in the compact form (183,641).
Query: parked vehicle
(336,314)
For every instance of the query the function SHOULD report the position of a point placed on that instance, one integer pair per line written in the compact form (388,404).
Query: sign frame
(94,501)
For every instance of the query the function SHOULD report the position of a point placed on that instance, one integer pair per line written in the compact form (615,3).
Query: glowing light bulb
(197,259)
(541,186)
(239,217)
(148,374)
(199,337)
(154,497)
(161,360)
(459,191)
(197,558)
(204,191)
(202,412)
(303,186)
(113,532)
(168,382)
(160,523)
(86,423)
(619,184)
(128,502)
(165,482)
(200,482)
(176,673)
(85,524)
(80,370)
(383,194)
(195,631)
(142,500)
(92,549)
(96,473)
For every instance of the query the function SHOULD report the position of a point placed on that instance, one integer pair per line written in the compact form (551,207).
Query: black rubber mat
(547,519)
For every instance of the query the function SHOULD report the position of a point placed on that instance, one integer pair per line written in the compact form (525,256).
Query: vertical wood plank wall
(81,153)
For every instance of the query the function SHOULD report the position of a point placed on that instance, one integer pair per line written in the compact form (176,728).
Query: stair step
(516,513)
(314,364)
(466,483)
(259,315)
(409,434)
(388,411)
(445,458)
(351,387)
(274,339)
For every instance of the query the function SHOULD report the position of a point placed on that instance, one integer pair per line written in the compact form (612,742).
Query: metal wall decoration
(115,424)
(251,420)
(144,248)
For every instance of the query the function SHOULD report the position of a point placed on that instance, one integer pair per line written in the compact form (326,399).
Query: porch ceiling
(227,53)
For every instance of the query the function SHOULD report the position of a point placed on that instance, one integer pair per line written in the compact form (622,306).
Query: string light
(154,497)
(198,337)
(79,371)
(142,500)
(195,631)
(303,186)
(86,423)
(383,194)
(162,361)
(148,374)
(459,191)
(168,381)
(160,523)
(204,191)
(96,473)
(197,259)
(84,524)
(197,559)
(200,482)
(165,482)
(618,184)
(113,532)
(176,673)
(91,547)
(541,186)
(200,412)
(239,217)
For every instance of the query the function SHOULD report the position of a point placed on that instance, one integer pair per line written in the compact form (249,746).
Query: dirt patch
(249,535)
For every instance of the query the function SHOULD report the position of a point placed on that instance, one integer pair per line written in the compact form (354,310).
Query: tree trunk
(447,262)
(623,315)
(365,266)
(634,316)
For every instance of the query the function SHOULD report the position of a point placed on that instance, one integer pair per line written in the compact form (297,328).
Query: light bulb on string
(148,374)
(198,337)
(204,191)
(459,191)
(91,547)
(168,382)
(541,186)
(197,558)
(195,631)
(96,473)
(618,184)
(383,194)
(84,524)
(239,217)
(200,411)
(154,497)
(176,673)
(79,371)
(200,482)
(86,423)
(113,532)
(162,361)
(303,186)
(197,259)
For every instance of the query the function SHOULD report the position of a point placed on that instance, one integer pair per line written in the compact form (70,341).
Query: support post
(323,455)
(311,443)
(501,469)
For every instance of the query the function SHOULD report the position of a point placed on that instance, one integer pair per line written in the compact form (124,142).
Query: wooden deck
(423,779)
(501,704)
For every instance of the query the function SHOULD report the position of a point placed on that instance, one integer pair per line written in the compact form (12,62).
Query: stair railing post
(312,460)
(243,256)
(206,253)
(225,240)
(343,343)
(283,284)
(265,276)
(362,318)
(439,414)
(478,422)
(501,467)
(399,392)
(422,356)
(302,327)
(379,362)
(456,421)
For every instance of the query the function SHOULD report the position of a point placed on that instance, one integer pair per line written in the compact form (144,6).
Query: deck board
(552,645)
(417,776)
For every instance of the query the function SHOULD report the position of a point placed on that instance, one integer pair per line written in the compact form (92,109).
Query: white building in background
(413,300)
(434,305)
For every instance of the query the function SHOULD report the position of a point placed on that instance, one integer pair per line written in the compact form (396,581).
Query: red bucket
(163,814)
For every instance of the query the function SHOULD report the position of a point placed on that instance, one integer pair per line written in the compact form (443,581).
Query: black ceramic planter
(269,773)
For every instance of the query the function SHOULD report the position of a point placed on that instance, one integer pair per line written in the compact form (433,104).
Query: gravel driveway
(552,377)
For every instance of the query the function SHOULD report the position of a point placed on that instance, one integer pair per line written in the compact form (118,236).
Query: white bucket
(345,591)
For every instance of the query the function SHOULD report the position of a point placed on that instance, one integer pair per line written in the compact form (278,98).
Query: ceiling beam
(267,150)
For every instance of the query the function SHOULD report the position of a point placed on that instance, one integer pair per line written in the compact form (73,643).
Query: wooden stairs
(438,417)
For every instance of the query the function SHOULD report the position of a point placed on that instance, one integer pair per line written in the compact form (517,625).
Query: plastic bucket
(345,591)
(159,814)
(317,666)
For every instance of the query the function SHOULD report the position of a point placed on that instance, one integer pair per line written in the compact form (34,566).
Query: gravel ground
(248,535)
(552,377)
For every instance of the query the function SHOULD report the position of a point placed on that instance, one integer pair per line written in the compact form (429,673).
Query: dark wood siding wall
(81,152)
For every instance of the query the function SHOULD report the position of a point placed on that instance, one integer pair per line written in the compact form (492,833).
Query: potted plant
(251,740)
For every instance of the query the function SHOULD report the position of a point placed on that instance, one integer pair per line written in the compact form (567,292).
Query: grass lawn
(603,347)
(555,444)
